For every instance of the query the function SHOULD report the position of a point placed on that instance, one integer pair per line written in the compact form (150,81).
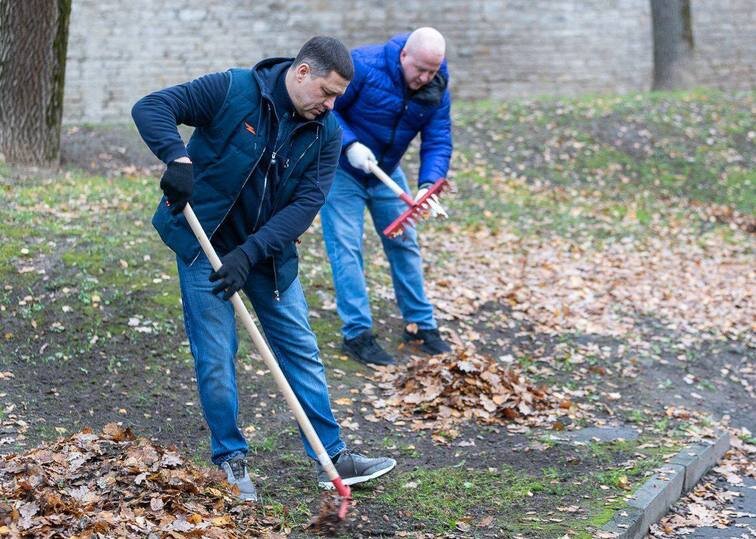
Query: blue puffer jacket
(378,111)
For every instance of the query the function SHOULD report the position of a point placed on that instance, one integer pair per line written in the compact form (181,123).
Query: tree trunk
(33,43)
(673,44)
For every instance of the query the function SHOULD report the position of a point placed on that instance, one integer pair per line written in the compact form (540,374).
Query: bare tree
(33,43)
(673,44)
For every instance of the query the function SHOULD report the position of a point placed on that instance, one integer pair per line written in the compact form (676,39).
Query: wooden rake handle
(269,359)
(391,184)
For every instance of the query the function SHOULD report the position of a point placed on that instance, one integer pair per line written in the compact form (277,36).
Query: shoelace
(238,468)
(348,452)
(433,334)
(371,344)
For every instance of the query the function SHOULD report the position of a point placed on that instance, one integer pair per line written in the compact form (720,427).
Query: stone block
(700,458)
(658,493)
(626,524)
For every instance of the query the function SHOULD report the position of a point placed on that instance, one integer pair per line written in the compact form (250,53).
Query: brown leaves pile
(462,386)
(116,485)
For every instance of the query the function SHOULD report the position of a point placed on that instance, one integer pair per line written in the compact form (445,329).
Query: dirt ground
(145,379)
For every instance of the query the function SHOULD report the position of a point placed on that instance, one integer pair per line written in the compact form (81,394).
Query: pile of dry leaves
(464,386)
(116,485)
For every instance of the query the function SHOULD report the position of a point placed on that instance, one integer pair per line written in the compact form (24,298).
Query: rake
(418,209)
(341,507)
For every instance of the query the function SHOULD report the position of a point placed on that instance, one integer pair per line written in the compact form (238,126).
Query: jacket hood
(267,71)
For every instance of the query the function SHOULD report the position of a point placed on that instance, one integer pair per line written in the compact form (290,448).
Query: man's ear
(302,71)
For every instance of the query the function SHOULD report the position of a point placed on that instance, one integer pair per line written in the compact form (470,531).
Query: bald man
(399,89)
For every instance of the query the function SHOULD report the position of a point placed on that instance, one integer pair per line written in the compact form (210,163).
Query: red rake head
(418,210)
(333,510)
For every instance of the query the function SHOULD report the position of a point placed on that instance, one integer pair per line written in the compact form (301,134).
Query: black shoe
(364,349)
(429,341)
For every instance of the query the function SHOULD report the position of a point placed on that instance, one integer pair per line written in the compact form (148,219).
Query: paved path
(742,527)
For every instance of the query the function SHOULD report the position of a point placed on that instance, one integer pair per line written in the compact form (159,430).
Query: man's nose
(330,102)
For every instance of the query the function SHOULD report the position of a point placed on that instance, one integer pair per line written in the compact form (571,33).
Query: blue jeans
(211,327)
(343,217)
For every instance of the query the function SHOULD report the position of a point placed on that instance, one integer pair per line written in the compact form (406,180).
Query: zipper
(286,165)
(276,295)
(275,206)
(405,106)
(304,151)
(265,187)
(272,162)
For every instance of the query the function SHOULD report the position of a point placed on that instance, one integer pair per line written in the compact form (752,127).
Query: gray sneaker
(236,474)
(354,468)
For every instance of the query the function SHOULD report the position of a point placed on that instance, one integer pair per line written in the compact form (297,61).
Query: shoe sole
(359,479)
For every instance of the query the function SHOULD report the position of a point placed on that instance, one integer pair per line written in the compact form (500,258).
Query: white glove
(360,157)
(434,206)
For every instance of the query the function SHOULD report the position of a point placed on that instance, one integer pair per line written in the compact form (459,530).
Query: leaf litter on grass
(696,284)
(117,485)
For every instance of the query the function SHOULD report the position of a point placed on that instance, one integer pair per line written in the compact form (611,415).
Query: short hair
(325,54)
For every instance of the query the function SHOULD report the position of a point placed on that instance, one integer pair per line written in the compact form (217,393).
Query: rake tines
(417,210)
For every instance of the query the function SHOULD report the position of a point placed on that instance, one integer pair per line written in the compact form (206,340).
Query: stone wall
(724,37)
(119,51)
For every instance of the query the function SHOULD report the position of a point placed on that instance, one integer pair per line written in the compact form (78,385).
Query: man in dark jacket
(399,89)
(256,170)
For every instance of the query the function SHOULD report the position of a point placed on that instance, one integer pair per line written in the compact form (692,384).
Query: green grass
(691,147)
(442,497)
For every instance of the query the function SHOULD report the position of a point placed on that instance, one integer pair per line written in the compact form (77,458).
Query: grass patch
(442,497)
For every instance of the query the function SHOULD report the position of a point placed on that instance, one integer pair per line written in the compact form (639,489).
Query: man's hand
(435,207)
(176,184)
(232,274)
(360,157)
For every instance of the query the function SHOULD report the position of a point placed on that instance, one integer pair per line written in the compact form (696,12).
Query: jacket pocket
(175,232)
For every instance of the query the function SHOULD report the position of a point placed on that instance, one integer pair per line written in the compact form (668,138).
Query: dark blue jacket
(379,111)
(232,131)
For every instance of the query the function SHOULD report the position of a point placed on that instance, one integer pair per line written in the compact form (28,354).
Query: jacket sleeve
(193,103)
(291,221)
(344,102)
(436,145)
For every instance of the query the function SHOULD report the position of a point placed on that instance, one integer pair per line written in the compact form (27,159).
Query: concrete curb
(654,498)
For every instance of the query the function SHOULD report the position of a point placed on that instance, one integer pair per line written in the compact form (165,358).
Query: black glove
(176,183)
(232,274)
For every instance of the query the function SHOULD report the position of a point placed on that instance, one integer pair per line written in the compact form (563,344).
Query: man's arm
(294,219)
(436,145)
(192,103)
